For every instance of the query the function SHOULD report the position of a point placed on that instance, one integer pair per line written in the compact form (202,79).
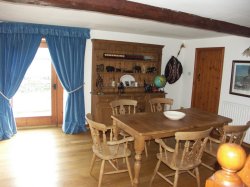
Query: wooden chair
(125,106)
(229,134)
(182,159)
(108,150)
(160,104)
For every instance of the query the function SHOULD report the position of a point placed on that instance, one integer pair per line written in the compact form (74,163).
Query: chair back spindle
(234,134)
(160,104)
(123,106)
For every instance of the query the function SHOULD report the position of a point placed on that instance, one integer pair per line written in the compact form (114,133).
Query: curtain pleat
(68,59)
(17,51)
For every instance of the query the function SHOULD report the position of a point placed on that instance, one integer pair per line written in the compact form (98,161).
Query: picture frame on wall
(240,78)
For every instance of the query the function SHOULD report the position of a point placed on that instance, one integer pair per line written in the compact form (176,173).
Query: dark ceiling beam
(136,10)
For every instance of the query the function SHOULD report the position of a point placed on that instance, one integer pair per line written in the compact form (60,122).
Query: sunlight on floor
(39,158)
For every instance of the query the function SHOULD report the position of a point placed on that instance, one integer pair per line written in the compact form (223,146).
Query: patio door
(38,101)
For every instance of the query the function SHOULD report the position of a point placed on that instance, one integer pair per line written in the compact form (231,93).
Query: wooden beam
(136,10)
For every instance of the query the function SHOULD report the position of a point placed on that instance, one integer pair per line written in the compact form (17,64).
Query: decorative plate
(126,80)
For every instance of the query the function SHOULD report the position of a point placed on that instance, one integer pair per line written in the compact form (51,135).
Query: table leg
(139,147)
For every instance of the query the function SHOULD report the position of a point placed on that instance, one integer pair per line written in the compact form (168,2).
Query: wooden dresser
(113,62)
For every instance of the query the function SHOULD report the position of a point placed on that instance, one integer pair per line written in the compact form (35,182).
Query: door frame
(56,117)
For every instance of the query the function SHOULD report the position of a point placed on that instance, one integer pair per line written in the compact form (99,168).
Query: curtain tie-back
(76,89)
(4,96)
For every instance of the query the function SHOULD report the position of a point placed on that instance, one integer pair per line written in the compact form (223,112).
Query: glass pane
(33,98)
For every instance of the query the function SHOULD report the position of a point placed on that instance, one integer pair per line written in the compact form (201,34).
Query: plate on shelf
(126,80)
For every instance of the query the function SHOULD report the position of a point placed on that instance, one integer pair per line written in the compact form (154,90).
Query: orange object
(245,172)
(231,157)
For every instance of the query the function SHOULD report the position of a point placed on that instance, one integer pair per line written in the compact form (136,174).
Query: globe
(160,81)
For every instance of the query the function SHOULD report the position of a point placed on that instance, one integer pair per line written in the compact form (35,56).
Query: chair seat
(177,165)
(109,152)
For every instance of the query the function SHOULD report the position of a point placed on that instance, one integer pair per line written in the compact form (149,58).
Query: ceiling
(231,11)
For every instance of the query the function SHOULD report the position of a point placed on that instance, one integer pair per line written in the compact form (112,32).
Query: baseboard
(37,127)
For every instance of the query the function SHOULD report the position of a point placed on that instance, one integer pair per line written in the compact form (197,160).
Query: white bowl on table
(174,115)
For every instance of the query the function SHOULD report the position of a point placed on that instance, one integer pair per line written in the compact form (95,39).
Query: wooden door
(207,78)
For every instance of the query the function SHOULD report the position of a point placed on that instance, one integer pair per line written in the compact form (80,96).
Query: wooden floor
(49,158)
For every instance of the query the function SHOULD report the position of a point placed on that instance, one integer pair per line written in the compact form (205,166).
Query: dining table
(153,125)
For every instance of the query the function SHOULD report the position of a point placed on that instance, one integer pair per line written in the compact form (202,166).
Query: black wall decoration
(173,69)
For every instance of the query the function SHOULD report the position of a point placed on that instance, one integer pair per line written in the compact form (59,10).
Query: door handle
(54,86)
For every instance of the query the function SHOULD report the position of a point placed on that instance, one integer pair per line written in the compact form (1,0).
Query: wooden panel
(34,121)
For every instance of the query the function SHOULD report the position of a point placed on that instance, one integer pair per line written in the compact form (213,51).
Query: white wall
(234,46)
(171,47)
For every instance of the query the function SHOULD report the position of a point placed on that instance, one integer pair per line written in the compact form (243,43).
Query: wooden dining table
(147,126)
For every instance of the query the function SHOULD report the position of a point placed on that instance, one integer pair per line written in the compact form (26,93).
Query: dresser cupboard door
(104,113)
(101,109)
(141,102)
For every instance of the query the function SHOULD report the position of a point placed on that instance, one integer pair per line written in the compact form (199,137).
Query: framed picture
(240,78)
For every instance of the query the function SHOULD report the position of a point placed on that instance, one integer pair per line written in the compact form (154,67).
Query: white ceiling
(233,11)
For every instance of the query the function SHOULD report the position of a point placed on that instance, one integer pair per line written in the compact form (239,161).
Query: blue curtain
(17,50)
(19,43)
(68,59)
